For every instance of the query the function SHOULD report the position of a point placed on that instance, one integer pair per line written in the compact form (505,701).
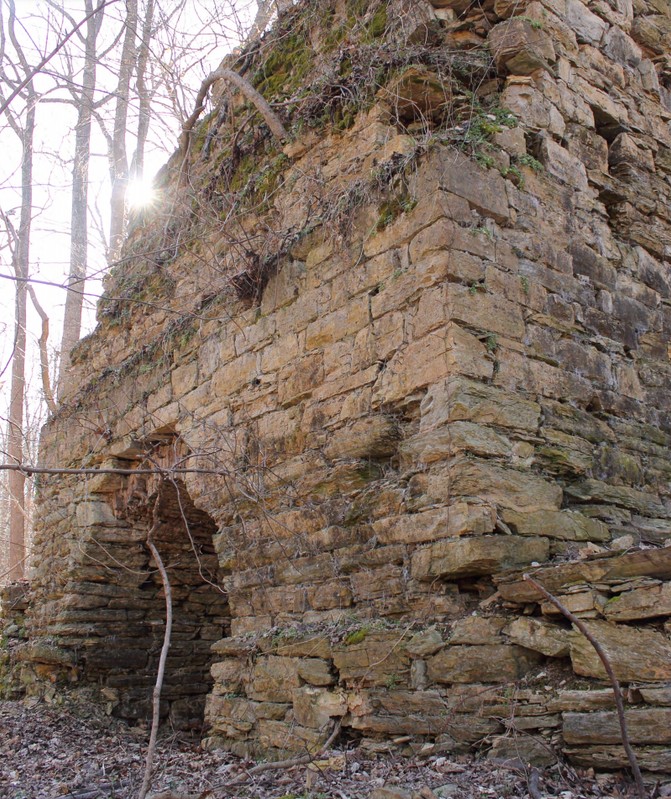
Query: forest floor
(76,752)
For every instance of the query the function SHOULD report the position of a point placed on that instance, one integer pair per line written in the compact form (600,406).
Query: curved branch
(272,120)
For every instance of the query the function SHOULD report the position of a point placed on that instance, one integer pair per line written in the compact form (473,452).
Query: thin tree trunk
(119,166)
(158,687)
(17,480)
(44,354)
(143,92)
(72,318)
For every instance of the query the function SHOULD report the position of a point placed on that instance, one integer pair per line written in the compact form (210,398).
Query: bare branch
(44,357)
(156,699)
(48,57)
(272,120)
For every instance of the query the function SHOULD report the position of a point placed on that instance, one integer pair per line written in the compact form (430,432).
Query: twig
(156,709)
(282,764)
(617,691)
(533,784)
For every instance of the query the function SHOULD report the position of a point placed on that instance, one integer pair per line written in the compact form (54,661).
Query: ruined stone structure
(418,349)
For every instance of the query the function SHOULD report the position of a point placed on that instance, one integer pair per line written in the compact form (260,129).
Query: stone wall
(419,349)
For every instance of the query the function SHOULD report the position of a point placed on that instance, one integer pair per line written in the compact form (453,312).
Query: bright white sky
(201,34)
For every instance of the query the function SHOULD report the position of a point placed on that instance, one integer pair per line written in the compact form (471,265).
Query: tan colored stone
(467,557)
(644,726)
(274,679)
(458,398)
(457,519)
(548,639)
(477,630)
(641,603)
(315,707)
(371,437)
(508,488)
(520,48)
(492,663)
(563,524)
(417,93)
(634,654)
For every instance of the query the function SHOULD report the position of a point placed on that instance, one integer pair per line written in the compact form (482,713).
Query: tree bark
(119,164)
(21,259)
(72,318)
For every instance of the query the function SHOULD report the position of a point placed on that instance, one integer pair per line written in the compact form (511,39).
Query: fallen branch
(156,709)
(282,764)
(617,691)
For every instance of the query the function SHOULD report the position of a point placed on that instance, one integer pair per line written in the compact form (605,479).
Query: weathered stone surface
(467,557)
(548,639)
(641,603)
(645,726)
(448,357)
(495,663)
(563,524)
(520,48)
(634,654)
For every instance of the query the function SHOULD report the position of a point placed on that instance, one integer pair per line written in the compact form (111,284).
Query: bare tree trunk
(21,259)
(72,318)
(119,166)
(143,92)
(44,354)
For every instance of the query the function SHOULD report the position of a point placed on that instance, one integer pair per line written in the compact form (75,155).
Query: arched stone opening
(124,660)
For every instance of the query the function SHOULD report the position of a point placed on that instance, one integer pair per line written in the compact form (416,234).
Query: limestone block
(417,93)
(288,737)
(377,583)
(653,32)
(425,642)
(541,636)
(582,700)
(529,104)
(416,365)
(485,311)
(274,679)
(589,28)
(563,524)
(315,671)
(560,163)
(505,487)
(458,398)
(520,48)
(297,380)
(642,501)
(491,663)
(314,707)
(232,715)
(645,726)
(635,654)
(613,758)
(374,660)
(483,189)
(457,519)
(372,437)
(527,748)
(477,630)
(641,603)
(92,512)
(468,557)
(444,442)
(329,595)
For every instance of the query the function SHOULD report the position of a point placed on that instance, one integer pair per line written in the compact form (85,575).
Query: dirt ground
(76,752)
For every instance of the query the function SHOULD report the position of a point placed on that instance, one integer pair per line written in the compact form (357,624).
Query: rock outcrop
(392,364)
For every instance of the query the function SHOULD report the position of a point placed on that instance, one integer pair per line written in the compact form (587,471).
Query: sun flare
(140,193)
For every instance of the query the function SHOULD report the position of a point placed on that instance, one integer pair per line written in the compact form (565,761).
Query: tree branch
(272,120)
(617,691)
(156,701)
(48,57)
(44,356)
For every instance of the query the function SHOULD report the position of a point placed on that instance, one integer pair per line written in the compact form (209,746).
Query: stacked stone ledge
(413,414)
